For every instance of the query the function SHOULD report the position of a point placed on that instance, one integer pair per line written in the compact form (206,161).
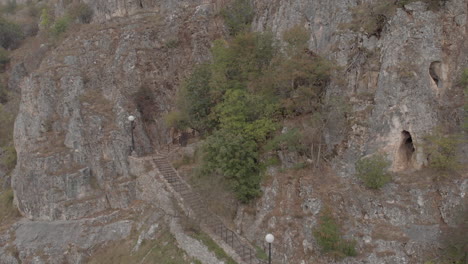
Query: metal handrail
(231,238)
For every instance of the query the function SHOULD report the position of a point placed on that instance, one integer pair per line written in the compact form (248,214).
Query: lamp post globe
(131,118)
(269,238)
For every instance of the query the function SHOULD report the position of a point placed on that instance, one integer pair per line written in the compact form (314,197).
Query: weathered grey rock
(17,74)
(72,135)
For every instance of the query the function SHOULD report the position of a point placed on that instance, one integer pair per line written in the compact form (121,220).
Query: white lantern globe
(131,118)
(269,238)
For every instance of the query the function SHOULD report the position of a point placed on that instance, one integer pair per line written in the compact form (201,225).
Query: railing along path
(196,204)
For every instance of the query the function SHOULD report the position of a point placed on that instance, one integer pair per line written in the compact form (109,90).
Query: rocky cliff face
(401,85)
(72,135)
(73,138)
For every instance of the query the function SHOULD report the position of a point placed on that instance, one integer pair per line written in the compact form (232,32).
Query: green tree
(372,171)
(235,157)
(10,34)
(238,16)
(194,101)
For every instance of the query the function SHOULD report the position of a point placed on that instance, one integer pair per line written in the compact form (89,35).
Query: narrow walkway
(206,217)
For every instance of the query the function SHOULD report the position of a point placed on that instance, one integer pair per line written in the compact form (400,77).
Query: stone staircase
(193,202)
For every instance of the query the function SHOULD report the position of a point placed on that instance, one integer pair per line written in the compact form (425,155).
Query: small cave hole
(406,148)
(435,72)
(141,4)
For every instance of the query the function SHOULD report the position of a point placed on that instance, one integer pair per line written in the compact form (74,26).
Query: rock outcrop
(401,84)
(72,135)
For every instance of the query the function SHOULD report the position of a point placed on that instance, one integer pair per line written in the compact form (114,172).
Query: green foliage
(235,156)
(296,38)
(241,96)
(46,19)
(10,34)
(6,129)
(10,7)
(441,149)
(60,26)
(329,238)
(80,11)
(240,61)
(372,171)
(370,18)
(290,140)
(238,16)
(464,83)
(4,58)
(7,210)
(194,101)
(8,158)
(213,247)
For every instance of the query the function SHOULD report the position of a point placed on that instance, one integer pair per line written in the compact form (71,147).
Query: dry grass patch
(161,250)
(8,212)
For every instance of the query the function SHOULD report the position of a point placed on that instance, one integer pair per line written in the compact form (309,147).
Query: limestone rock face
(401,86)
(72,135)
(389,79)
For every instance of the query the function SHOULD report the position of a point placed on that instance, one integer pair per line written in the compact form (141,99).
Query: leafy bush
(464,83)
(195,102)
(4,58)
(80,11)
(6,129)
(10,7)
(10,34)
(46,19)
(235,157)
(329,238)
(441,150)
(7,210)
(240,96)
(8,159)
(371,18)
(238,16)
(290,140)
(60,26)
(372,171)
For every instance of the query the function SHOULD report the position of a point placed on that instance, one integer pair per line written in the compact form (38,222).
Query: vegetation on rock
(371,18)
(441,149)
(80,11)
(10,34)
(372,171)
(240,97)
(328,236)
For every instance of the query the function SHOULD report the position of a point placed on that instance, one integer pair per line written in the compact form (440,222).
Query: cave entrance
(435,72)
(406,149)
(141,4)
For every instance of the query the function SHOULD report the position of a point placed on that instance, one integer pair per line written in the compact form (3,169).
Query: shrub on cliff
(4,58)
(328,236)
(60,26)
(10,34)
(238,16)
(441,149)
(80,11)
(372,171)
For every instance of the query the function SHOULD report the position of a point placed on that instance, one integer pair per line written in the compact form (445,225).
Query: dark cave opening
(141,4)
(407,147)
(435,72)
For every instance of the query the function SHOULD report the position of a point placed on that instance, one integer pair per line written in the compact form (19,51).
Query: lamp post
(132,126)
(269,238)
